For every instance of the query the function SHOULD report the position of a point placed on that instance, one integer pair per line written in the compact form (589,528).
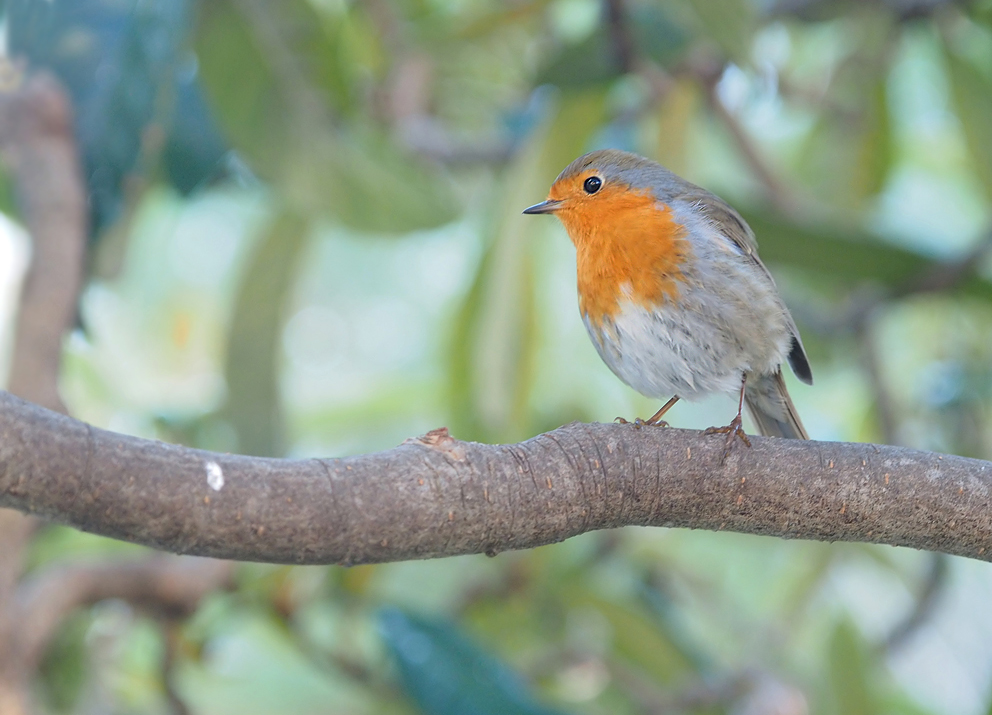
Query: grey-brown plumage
(692,309)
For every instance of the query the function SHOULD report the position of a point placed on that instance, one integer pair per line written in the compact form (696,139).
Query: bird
(673,294)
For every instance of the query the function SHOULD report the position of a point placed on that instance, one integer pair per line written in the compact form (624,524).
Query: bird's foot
(734,430)
(638,423)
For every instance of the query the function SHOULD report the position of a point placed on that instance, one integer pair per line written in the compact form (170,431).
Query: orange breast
(624,241)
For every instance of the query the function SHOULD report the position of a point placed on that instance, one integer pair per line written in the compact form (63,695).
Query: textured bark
(37,143)
(437,496)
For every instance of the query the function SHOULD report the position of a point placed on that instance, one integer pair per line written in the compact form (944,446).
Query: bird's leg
(735,428)
(655,419)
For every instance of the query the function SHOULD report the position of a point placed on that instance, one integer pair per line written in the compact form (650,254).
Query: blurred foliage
(446,674)
(310,211)
(133,88)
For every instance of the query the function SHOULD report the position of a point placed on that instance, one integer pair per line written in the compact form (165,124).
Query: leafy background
(307,240)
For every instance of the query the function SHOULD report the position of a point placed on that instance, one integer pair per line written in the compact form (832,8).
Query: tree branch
(37,144)
(437,496)
(36,139)
(166,584)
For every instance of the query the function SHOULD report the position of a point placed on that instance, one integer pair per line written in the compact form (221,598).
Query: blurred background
(304,239)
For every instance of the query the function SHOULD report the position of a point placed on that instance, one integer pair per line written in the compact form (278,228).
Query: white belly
(667,351)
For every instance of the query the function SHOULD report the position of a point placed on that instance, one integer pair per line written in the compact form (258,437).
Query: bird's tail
(771,407)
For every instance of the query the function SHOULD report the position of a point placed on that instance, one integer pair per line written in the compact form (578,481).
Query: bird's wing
(732,226)
(725,219)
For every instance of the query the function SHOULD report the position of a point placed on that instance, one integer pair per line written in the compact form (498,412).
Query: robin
(673,293)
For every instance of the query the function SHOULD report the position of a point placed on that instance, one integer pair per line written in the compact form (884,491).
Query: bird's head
(606,190)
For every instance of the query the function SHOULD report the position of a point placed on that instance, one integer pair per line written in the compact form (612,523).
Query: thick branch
(437,496)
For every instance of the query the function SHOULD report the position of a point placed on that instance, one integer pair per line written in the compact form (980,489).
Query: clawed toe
(733,431)
(638,422)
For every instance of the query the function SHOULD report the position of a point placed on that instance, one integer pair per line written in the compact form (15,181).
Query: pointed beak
(545,207)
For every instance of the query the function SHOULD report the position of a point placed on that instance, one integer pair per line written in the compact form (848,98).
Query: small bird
(673,293)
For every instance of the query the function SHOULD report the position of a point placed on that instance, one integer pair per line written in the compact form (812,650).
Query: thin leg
(736,427)
(655,419)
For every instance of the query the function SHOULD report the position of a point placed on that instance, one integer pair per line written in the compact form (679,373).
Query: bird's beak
(545,207)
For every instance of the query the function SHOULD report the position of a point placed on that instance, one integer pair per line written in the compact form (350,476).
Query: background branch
(37,144)
(437,496)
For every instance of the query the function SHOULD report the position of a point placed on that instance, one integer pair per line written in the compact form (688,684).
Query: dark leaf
(594,60)
(121,64)
(445,673)
(194,150)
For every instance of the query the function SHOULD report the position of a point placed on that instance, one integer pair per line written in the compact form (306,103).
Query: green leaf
(848,153)
(676,113)
(643,641)
(593,61)
(254,403)
(8,200)
(356,175)
(847,255)
(972,95)
(729,23)
(253,77)
(499,17)
(590,62)
(981,12)
(847,156)
(874,158)
(367,183)
(66,667)
(850,668)
(240,85)
(494,338)
(445,673)
(903,704)
(495,341)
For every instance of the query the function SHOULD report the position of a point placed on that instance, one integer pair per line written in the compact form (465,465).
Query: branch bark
(436,496)
(37,143)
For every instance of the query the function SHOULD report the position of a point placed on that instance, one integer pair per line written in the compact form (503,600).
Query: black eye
(592,184)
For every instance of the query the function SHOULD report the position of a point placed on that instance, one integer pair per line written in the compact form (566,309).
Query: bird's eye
(592,184)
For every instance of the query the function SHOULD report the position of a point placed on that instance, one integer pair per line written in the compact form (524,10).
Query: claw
(654,420)
(734,430)
(638,423)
